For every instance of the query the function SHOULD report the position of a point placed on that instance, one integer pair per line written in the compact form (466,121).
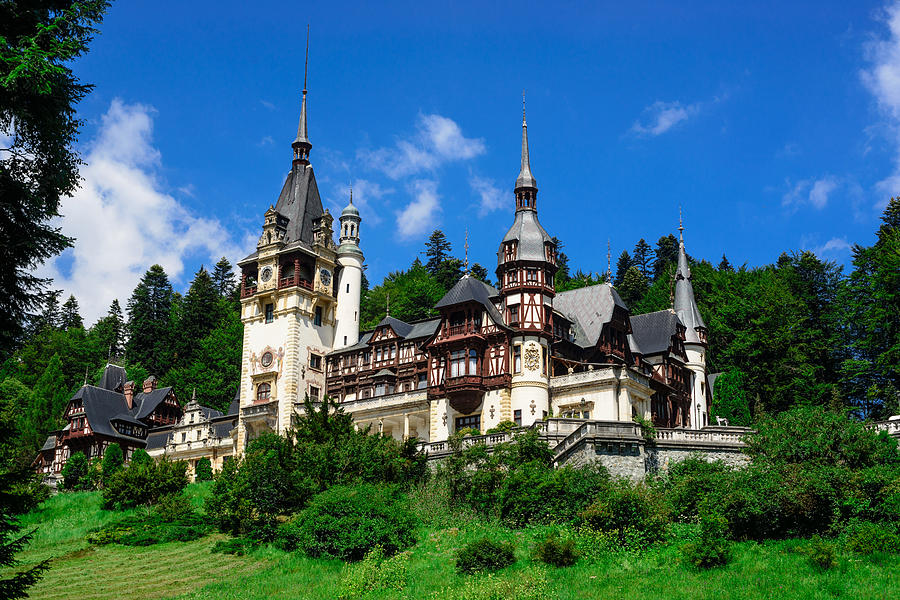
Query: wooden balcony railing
(248,291)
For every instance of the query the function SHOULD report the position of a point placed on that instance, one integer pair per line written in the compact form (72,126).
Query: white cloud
(366,195)
(834,246)
(438,140)
(882,79)
(492,198)
(660,117)
(422,213)
(810,191)
(124,221)
(266,140)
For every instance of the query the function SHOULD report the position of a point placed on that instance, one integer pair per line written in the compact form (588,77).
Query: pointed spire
(467,251)
(684,303)
(680,227)
(302,145)
(608,260)
(387,309)
(525,179)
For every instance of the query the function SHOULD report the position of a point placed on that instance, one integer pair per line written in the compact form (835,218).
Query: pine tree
(69,316)
(49,317)
(224,279)
(634,286)
(731,400)
(149,321)
(437,249)
(622,265)
(480,273)
(113,461)
(724,265)
(666,253)
(642,257)
(13,541)
(40,127)
(562,265)
(200,313)
(204,471)
(49,401)
(449,272)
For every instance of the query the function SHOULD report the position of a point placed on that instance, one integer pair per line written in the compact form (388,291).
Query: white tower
(350,259)
(695,344)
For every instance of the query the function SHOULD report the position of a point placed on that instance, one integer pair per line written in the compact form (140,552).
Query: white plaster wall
(347,312)
(529,392)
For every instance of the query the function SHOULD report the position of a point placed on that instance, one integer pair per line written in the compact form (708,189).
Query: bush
(689,482)
(628,510)
(172,520)
(536,492)
(375,572)
(484,555)
(347,522)
(229,503)
(75,472)
(237,546)
(113,460)
(287,537)
(557,552)
(869,538)
(144,483)
(203,470)
(822,553)
(503,427)
(712,548)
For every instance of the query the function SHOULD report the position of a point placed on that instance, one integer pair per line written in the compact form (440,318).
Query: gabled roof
(470,289)
(224,429)
(423,329)
(590,308)
(49,443)
(145,404)
(653,331)
(401,328)
(100,407)
(158,439)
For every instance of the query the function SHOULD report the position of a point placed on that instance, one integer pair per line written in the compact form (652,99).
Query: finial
(85,375)
(467,250)
(351,192)
(388,306)
(194,395)
(306,64)
(608,261)
(680,226)
(523,107)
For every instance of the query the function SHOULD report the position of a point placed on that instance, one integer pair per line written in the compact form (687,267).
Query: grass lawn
(190,571)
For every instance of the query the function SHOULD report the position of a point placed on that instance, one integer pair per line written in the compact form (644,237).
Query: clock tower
(288,302)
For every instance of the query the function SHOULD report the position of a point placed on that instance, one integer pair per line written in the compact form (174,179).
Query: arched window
(473,362)
(352,229)
(263,391)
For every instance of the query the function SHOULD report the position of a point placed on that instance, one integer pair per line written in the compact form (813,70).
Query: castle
(518,353)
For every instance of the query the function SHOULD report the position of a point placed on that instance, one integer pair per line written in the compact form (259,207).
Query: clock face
(325,275)
(266,359)
(266,273)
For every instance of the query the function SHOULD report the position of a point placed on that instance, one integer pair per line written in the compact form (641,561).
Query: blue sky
(774,127)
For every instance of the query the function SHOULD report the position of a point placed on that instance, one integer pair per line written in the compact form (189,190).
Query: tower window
(531,275)
(317,318)
(315,362)
(514,315)
(517,358)
(270,313)
(313,393)
(517,417)
(473,362)
(348,288)
(345,340)
(263,392)
(473,422)
(457,363)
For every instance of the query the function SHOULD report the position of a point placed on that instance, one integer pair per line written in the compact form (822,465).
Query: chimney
(128,390)
(149,384)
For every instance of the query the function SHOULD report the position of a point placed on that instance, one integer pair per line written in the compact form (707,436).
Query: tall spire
(526,186)
(685,304)
(302,145)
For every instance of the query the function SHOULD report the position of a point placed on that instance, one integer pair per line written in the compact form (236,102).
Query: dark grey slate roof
(127,418)
(235,405)
(360,345)
(423,329)
(401,328)
(101,406)
(223,429)
(590,308)
(525,178)
(299,201)
(210,413)
(685,303)
(469,289)
(144,404)
(384,372)
(531,237)
(114,377)
(653,331)
(49,444)
(711,382)
(158,439)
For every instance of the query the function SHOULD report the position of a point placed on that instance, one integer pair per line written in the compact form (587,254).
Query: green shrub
(203,471)
(347,522)
(375,572)
(712,548)
(869,538)
(467,432)
(75,472)
(822,553)
(556,551)
(688,482)
(287,537)
(484,555)
(172,520)
(144,483)
(237,546)
(113,460)
(228,504)
(503,427)
(648,431)
(536,492)
(628,510)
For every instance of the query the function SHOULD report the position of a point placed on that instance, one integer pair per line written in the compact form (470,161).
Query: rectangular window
(422,383)
(317,319)
(473,362)
(379,389)
(313,393)
(470,422)
(377,354)
(348,288)
(457,363)
(543,360)
(183,437)
(514,314)
(345,340)
(393,351)
(517,358)
(270,313)
(367,357)
(315,362)
(531,275)
(517,417)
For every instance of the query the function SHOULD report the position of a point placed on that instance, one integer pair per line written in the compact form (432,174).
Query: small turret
(350,259)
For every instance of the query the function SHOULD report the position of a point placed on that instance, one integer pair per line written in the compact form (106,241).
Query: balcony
(291,281)
(247,291)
